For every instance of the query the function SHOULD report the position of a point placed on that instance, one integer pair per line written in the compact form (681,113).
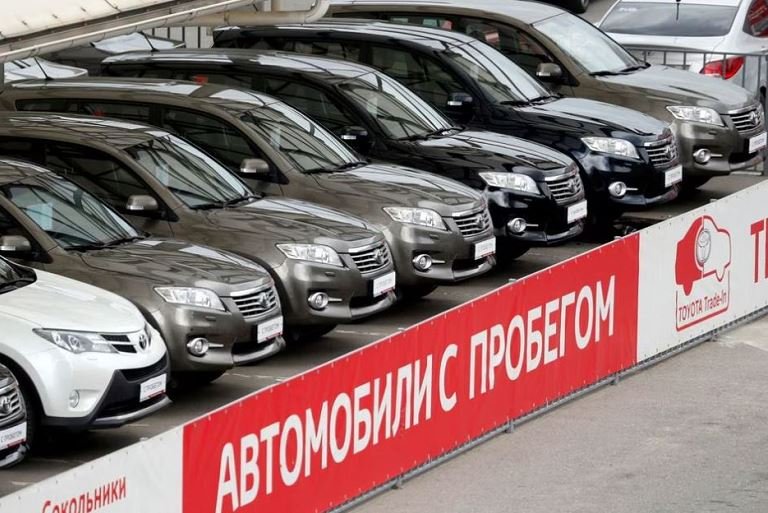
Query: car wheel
(576,6)
(301,334)
(415,292)
(690,184)
(33,412)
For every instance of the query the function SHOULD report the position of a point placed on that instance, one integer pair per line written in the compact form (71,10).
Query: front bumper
(453,257)
(12,427)
(350,292)
(729,147)
(120,402)
(231,336)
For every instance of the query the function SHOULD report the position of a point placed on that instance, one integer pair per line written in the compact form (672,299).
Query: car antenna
(42,69)
(677,10)
(149,41)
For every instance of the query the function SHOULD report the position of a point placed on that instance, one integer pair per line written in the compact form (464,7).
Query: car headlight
(513,181)
(611,146)
(75,341)
(191,296)
(696,114)
(311,253)
(418,216)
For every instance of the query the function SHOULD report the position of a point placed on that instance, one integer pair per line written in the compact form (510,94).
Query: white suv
(84,357)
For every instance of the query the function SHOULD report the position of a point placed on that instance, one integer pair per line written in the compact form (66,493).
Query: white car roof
(732,3)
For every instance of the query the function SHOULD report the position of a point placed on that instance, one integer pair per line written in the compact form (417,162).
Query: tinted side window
(345,51)
(243,81)
(223,141)
(432,21)
(96,172)
(311,101)
(129,111)
(52,105)
(525,51)
(421,74)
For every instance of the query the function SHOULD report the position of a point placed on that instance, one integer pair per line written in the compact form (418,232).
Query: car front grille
(566,189)
(371,259)
(10,404)
(473,224)
(747,120)
(662,153)
(128,343)
(143,373)
(254,302)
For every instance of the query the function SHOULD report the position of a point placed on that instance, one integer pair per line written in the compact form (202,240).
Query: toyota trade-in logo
(702,272)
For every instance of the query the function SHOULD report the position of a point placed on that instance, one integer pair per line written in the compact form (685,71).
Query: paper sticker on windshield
(41,214)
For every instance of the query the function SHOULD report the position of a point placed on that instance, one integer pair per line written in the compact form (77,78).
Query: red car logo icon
(704,251)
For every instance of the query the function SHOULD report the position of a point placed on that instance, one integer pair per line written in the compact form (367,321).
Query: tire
(510,250)
(33,412)
(302,334)
(196,379)
(576,6)
(690,184)
(415,292)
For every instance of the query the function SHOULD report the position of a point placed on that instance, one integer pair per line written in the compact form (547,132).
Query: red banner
(329,435)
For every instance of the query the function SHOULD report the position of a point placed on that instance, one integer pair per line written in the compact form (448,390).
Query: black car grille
(566,189)
(252,303)
(145,372)
(473,224)
(372,259)
(10,405)
(748,120)
(662,153)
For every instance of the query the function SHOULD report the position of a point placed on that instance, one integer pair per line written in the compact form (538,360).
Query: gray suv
(329,267)
(439,230)
(214,309)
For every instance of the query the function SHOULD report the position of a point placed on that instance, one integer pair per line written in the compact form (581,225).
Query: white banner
(142,478)
(701,270)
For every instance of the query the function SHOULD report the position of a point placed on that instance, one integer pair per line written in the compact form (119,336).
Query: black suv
(534,193)
(629,159)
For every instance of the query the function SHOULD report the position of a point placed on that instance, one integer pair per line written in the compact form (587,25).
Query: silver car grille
(662,153)
(10,404)
(254,302)
(747,120)
(371,259)
(565,189)
(128,343)
(473,224)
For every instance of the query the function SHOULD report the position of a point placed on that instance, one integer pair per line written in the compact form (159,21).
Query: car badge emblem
(143,342)
(754,118)
(5,405)
(571,186)
(378,256)
(261,301)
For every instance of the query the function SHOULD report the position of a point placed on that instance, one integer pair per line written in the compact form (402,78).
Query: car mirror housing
(459,106)
(141,203)
(15,244)
(549,72)
(257,167)
(356,136)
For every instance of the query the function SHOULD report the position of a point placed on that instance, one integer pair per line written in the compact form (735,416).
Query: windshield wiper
(88,247)
(241,199)
(628,69)
(341,167)
(17,283)
(539,99)
(122,240)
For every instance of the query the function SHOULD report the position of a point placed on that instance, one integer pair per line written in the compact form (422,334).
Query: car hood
(54,301)
(598,118)
(663,86)
(478,150)
(276,220)
(386,184)
(174,263)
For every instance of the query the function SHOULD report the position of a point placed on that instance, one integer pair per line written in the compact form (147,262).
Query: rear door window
(345,51)
(310,100)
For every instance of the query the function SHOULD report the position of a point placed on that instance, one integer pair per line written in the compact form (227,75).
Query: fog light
(74,399)
(422,262)
(198,346)
(318,300)
(517,225)
(702,156)
(617,189)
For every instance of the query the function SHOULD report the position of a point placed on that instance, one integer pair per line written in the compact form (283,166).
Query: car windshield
(672,19)
(501,80)
(67,213)
(585,44)
(400,113)
(307,145)
(195,178)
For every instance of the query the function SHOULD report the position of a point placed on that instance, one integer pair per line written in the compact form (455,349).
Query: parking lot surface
(63,453)
(688,435)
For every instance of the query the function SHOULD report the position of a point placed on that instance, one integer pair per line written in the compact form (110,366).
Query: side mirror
(459,106)
(357,137)
(141,203)
(256,167)
(15,244)
(549,72)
